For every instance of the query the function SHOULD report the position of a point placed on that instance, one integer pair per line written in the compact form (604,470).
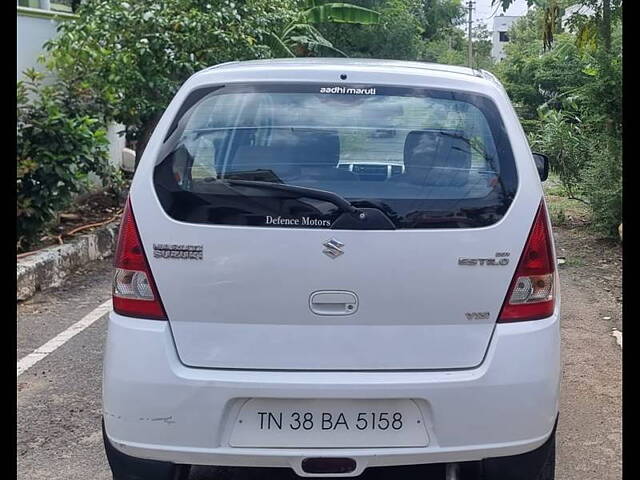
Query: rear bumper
(157,408)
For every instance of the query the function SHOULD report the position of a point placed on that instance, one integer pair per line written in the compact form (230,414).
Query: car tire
(126,467)
(548,471)
(538,464)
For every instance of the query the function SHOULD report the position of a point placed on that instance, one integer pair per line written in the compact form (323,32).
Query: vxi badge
(500,259)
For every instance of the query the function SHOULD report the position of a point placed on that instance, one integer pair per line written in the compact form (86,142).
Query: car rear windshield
(422,158)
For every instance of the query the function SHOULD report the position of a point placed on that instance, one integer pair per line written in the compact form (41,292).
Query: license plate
(329,423)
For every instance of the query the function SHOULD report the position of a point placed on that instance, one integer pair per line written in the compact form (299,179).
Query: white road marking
(618,335)
(39,353)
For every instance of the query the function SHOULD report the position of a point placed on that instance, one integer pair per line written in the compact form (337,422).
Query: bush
(569,99)
(588,162)
(56,149)
(562,138)
(603,185)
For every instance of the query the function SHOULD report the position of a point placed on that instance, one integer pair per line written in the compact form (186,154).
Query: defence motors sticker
(185,252)
(296,222)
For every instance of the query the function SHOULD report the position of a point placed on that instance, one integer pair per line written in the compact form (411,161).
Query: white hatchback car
(331,265)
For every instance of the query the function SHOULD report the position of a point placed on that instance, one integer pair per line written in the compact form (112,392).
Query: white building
(501,26)
(37,21)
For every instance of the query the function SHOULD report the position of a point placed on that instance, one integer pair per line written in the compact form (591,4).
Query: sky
(483,10)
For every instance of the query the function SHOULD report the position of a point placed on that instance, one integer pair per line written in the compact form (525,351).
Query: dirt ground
(590,426)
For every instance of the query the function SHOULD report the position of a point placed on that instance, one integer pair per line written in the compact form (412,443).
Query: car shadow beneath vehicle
(417,472)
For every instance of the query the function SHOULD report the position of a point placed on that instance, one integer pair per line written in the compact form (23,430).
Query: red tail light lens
(134,291)
(530,296)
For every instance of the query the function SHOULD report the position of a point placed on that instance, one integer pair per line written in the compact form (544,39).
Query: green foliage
(440,18)
(557,214)
(132,57)
(562,138)
(533,77)
(594,31)
(425,30)
(301,38)
(450,44)
(603,185)
(482,47)
(56,149)
(339,13)
(551,12)
(570,102)
(396,36)
(451,51)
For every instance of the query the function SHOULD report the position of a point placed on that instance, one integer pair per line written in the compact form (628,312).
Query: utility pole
(470,5)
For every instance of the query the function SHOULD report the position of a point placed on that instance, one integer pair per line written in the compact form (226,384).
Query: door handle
(333,302)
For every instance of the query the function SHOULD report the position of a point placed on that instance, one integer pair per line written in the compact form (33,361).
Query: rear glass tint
(424,158)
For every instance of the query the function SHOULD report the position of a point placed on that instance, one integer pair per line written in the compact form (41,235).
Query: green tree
(481,38)
(441,18)
(396,36)
(569,98)
(450,50)
(301,38)
(552,11)
(131,57)
(408,30)
(445,41)
(534,77)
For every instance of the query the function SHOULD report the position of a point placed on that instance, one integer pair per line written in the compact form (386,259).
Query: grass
(574,262)
(563,210)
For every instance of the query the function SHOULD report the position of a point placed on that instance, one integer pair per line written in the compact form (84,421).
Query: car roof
(389,65)
(359,62)
(251,70)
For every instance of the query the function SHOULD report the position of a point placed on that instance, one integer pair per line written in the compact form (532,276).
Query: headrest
(291,147)
(433,148)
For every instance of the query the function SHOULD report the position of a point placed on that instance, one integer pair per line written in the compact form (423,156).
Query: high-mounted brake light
(134,291)
(530,296)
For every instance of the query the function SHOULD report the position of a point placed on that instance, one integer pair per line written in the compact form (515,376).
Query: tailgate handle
(333,302)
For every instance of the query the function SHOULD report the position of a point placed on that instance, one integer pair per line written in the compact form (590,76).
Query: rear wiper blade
(343,204)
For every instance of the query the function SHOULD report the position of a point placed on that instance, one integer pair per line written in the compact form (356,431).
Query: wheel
(548,471)
(126,467)
(538,464)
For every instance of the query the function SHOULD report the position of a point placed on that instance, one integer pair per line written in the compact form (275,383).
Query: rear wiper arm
(340,202)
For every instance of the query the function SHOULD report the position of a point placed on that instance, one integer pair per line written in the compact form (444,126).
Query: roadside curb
(49,267)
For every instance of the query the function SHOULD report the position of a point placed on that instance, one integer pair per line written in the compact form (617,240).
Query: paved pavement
(59,405)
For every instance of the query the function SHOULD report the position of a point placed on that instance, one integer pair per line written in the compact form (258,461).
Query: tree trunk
(606,25)
(147,130)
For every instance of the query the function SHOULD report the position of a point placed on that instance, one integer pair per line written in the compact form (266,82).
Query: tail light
(530,295)
(134,291)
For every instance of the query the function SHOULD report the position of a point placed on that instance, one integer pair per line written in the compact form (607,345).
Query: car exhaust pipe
(328,465)
(453,472)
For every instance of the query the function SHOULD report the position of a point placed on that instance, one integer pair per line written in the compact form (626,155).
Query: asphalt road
(59,405)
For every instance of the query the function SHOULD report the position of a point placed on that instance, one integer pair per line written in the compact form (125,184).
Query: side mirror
(128,160)
(542,164)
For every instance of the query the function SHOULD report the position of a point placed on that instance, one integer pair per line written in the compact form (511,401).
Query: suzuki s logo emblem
(334,248)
